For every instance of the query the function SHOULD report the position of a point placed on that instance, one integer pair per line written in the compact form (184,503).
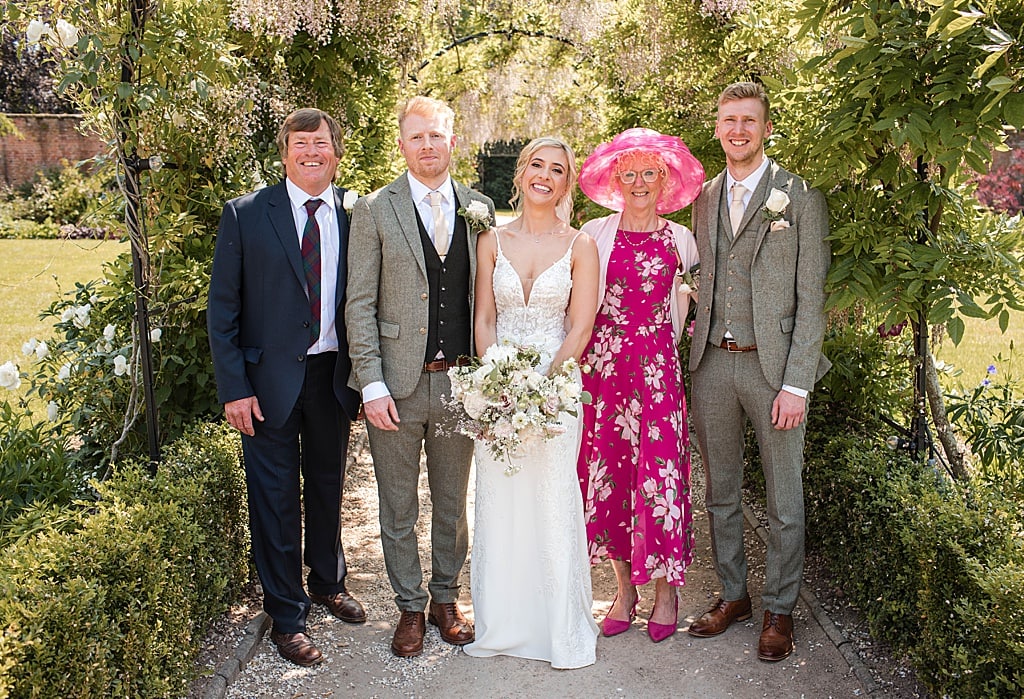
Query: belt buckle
(731,346)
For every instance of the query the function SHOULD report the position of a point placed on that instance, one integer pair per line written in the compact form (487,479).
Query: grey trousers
(396,465)
(728,389)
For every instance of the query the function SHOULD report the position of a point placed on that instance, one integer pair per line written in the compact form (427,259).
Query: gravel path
(359,662)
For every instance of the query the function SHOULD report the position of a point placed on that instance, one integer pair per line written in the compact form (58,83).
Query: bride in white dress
(536,285)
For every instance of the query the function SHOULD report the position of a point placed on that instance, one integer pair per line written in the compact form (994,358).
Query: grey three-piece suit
(399,309)
(766,288)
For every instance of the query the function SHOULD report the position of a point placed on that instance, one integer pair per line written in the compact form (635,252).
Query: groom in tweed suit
(756,355)
(412,263)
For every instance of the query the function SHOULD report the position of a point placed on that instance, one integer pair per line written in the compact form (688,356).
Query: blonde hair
(428,108)
(746,90)
(563,209)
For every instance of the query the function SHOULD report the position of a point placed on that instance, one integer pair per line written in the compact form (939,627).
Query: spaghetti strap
(497,240)
(578,234)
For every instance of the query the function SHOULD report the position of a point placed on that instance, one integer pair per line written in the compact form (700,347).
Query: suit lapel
(405,213)
(714,206)
(280,213)
(757,199)
(465,196)
(776,178)
(342,219)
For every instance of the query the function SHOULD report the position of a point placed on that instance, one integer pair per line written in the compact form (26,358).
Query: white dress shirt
(326,218)
(419,198)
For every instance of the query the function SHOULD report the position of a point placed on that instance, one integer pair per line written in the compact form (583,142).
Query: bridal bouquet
(506,403)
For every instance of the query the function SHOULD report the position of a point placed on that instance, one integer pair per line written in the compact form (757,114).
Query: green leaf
(964,22)
(955,327)
(999,83)
(988,63)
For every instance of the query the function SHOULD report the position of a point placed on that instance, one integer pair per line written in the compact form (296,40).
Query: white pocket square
(780,225)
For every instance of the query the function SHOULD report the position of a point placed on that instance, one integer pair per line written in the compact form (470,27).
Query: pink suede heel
(613,627)
(659,632)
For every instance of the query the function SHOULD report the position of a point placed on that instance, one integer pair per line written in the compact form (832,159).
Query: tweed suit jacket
(388,294)
(787,275)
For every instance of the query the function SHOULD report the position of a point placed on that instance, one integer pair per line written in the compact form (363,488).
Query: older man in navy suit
(280,355)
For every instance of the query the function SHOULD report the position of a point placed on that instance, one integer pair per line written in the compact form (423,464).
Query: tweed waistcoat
(733,307)
(450,324)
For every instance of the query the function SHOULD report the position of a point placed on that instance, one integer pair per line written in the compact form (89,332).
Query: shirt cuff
(375,390)
(802,393)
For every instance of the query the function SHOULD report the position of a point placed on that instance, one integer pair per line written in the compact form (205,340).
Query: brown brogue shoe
(296,648)
(408,639)
(454,627)
(342,605)
(776,642)
(717,619)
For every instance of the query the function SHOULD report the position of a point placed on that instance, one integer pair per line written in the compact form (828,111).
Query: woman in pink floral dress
(634,463)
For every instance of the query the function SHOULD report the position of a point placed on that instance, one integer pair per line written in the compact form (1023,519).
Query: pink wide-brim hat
(682,182)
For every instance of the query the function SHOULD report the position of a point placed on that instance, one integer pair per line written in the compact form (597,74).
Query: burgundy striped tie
(311,265)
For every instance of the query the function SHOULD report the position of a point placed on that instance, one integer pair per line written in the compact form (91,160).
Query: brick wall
(46,140)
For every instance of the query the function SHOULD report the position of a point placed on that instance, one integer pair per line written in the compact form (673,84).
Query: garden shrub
(937,571)
(972,595)
(34,469)
(21,229)
(117,606)
(857,501)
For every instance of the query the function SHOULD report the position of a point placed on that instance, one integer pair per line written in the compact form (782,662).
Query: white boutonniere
(686,281)
(349,200)
(477,215)
(775,206)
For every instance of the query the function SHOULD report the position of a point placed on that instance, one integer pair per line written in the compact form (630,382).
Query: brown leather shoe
(717,619)
(296,648)
(454,627)
(408,639)
(342,605)
(776,641)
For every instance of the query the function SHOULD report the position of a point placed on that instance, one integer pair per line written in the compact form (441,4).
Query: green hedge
(938,572)
(117,605)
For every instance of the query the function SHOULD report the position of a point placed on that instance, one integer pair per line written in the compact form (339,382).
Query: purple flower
(991,368)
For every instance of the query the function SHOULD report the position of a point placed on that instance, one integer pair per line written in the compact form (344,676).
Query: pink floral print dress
(634,464)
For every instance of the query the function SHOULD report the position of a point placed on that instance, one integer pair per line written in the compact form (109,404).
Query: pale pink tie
(736,207)
(440,224)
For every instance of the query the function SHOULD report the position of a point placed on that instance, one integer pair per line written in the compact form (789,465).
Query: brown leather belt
(444,364)
(730,344)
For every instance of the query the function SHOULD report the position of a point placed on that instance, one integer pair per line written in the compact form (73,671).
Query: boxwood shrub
(116,605)
(937,569)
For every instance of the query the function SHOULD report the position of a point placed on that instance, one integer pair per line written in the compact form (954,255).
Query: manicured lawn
(981,343)
(33,273)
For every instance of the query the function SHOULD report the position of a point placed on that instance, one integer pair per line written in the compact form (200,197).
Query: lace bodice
(540,322)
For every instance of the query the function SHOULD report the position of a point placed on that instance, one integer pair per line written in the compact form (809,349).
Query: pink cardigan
(603,231)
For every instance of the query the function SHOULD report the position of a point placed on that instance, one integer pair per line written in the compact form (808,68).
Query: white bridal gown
(530,572)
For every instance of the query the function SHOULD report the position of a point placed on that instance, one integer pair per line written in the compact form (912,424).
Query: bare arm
(485,331)
(582,302)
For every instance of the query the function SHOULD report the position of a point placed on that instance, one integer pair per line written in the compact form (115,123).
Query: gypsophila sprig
(477,215)
(503,401)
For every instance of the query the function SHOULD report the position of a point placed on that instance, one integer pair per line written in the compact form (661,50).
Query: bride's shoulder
(581,239)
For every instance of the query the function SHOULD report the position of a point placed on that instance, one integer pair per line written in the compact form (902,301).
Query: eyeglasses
(629,176)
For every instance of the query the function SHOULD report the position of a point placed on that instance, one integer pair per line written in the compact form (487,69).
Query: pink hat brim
(683,181)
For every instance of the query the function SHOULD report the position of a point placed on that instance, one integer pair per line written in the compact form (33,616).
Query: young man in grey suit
(412,264)
(756,355)
(280,355)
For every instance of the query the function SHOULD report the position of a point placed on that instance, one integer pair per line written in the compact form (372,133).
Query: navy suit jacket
(258,316)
